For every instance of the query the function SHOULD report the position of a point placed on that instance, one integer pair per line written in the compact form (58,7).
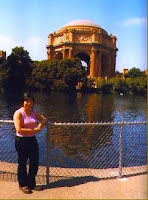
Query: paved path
(134,187)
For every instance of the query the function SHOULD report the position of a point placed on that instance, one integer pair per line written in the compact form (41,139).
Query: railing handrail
(99,123)
(88,123)
(6,121)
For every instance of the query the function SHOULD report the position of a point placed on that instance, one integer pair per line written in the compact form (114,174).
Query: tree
(103,86)
(17,69)
(134,72)
(118,85)
(62,75)
(70,71)
(43,73)
(2,73)
(118,74)
(137,85)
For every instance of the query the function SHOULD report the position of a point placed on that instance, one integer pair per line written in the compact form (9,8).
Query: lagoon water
(61,107)
(82,147)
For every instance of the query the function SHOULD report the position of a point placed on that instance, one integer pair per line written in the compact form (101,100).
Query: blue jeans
(27,148)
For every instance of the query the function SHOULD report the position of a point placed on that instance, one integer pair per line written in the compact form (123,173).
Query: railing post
(47,155)
(121,150)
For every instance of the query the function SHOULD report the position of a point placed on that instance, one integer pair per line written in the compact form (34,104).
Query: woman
(27,124)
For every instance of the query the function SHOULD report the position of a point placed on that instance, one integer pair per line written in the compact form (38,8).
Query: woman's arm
(18,123)
(42,120)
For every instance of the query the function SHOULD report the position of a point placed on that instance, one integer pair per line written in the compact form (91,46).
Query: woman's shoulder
(18,111)
(17,115)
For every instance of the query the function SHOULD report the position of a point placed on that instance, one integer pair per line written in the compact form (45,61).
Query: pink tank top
(29,122)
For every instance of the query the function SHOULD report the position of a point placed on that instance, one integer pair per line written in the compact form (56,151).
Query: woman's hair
(27,96)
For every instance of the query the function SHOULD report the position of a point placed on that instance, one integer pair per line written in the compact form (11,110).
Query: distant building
(3,54)
(125,71)
(89,42)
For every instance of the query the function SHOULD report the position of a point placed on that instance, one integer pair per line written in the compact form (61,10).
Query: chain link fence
(67,150)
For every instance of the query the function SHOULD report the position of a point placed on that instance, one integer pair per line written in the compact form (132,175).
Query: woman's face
(28,104)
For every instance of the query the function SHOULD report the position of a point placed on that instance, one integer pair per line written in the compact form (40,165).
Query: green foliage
(118,85)
(137,85)
(42,75)
(60,75)
(103,86)
(87,84)
(118,74)
(135,72)
(17,69)
(60,85)
(70,71)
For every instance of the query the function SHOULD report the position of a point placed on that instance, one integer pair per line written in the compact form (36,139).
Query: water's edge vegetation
(18,73)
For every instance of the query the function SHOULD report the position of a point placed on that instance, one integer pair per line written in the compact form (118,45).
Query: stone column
(49,53)
(113,64)
(64,52)
(92,64)
(93,35)
(50,39)
(113,40)
(110,66)
(99,36)
(71,35)
(70,53)
(99,66)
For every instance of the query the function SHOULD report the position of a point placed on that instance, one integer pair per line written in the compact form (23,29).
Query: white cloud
(35,45)
(7,44)
(34,41)
(5,40)
(135,21)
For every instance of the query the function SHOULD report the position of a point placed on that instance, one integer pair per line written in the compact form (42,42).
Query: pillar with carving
(93,35)
(113,64)
(71,35)
(70,53)
(114,39)
(64,52)
(110,72)
(50,39)
(49,53)
(92,64)
(99,64)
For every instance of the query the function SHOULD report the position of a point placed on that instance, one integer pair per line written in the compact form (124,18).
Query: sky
(28,23)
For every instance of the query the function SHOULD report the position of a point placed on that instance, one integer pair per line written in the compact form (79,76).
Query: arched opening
(85,60)
(84,64)
(58,56)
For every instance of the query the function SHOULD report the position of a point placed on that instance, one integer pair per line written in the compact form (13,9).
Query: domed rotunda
(88,41)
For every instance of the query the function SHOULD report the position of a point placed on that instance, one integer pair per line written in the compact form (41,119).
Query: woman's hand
(42,120)
(37,129)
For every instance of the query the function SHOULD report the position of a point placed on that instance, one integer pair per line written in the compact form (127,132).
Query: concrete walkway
(134,187)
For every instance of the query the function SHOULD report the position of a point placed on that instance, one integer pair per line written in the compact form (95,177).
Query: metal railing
(100,150)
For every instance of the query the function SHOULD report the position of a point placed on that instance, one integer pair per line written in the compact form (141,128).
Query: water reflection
(76,107)
(95,107)
(75,145)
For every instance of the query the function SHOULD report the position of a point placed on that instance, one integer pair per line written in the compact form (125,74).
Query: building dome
(81,23)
